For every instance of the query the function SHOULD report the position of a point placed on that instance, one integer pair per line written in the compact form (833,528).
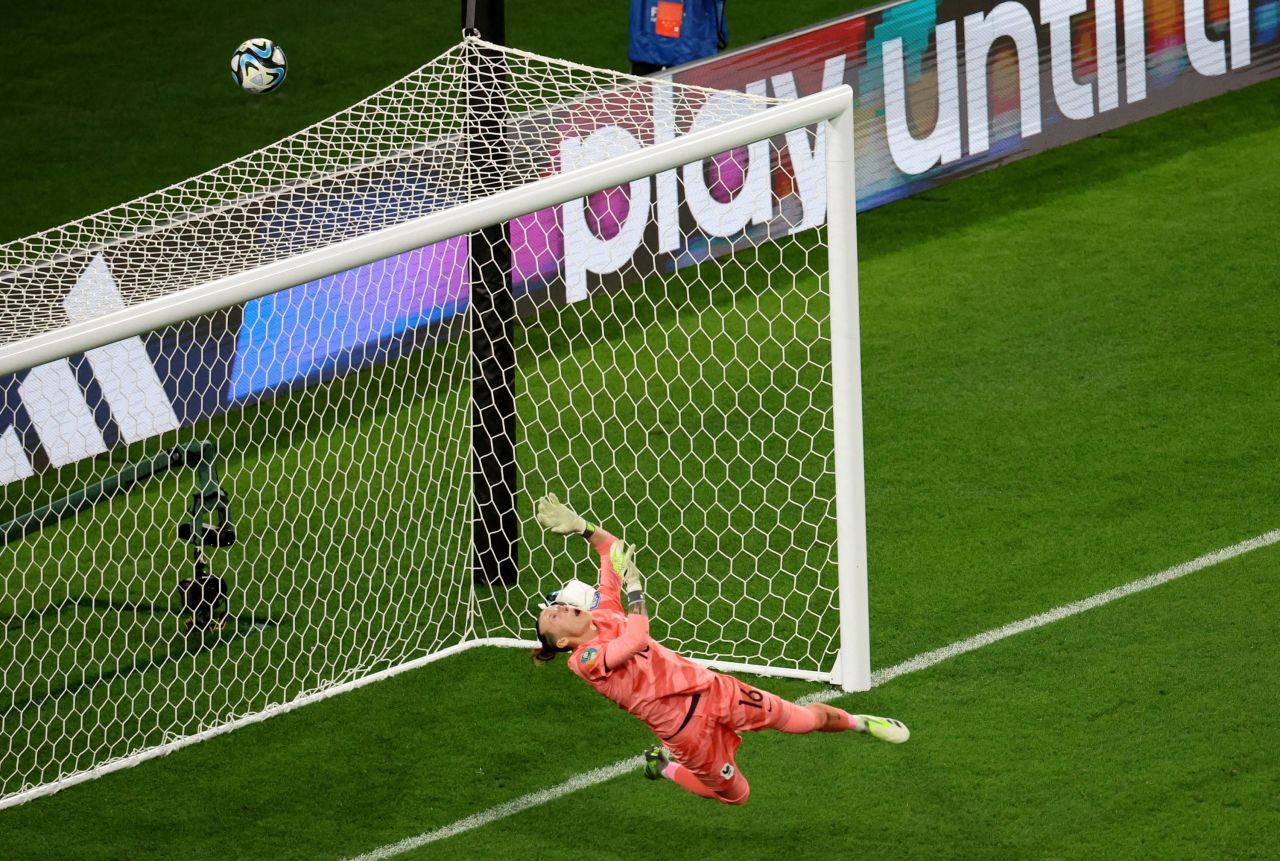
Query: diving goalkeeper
(696,713)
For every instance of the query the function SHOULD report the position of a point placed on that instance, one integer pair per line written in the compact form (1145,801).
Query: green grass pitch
(1072,379)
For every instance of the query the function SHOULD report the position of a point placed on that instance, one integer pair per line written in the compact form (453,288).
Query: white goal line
(920,662)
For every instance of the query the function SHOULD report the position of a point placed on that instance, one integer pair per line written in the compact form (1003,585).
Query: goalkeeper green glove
(553,514)
(622,555)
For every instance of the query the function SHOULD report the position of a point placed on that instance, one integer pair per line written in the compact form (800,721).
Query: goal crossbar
(425,230)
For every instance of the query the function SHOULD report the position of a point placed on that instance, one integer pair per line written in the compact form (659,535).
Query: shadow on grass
(180,645)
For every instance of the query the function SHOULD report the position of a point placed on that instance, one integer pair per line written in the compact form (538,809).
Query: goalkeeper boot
(886,729)
(656,759)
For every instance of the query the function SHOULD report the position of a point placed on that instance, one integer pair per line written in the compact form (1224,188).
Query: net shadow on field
(316,596)
(85,613)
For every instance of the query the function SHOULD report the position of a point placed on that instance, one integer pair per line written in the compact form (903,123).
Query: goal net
(275,432)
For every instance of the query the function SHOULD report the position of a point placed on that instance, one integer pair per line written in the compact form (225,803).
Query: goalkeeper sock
(814,717)
(686,779)
(839,720)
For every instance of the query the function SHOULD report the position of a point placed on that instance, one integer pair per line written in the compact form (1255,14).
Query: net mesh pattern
(406,151)
(234,513)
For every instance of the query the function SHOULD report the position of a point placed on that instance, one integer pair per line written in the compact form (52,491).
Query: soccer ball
(258,66)
(575,593)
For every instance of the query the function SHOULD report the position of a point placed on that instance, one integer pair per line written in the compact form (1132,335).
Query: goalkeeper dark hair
(548,651)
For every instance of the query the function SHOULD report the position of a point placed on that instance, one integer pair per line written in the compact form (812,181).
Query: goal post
(852,670)
(693,383)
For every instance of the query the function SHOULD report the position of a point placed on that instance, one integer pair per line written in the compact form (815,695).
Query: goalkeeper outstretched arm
(620,573)
(635,638)
(554,516)
(559,518)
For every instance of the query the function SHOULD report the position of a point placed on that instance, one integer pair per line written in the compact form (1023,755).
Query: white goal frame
(831,109)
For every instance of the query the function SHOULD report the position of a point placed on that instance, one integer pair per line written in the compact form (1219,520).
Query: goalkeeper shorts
(708,743)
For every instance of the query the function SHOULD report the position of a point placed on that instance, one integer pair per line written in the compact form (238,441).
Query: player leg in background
(700,758)
(727,784)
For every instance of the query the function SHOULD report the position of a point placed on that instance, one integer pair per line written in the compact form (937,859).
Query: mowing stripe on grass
(919,662)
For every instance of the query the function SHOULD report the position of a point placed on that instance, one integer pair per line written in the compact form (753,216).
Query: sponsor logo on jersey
(727,771)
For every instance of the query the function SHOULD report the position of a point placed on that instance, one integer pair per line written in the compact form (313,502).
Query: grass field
(1072,375)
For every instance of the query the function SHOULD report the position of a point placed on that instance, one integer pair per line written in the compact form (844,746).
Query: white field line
(928,659)
(919,662)
(524,802)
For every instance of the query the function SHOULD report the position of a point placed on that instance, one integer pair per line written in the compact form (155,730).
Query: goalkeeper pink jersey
(657,685)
